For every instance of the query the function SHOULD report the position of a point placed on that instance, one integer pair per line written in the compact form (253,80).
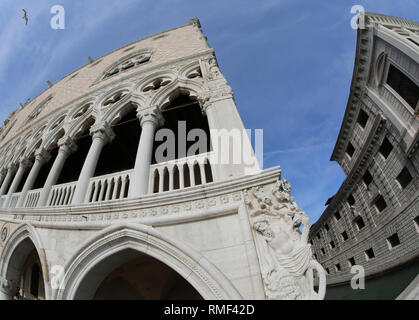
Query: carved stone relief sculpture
(281,231)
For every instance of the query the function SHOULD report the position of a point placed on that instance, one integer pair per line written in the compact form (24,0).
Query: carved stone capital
(42,155)
(12,167)
(25,163)
(102,130)
(275,216)
(153,115)
(67,145)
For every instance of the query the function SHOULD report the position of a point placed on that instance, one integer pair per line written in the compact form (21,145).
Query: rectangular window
(337,267)
(337,215)
(318,235)
(351,261)
(350,150)
(385,148)
(327,271)
(322,250)
(404,86)
(404,178)
(351,200)
(367,178)
(360,223)
(315,256)
(362,118)
(393,241)
(332,244)
(380,203)
(344,236)
(326,226)
(369,254)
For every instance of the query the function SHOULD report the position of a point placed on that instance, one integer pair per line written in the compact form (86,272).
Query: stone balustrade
(109,187)
(180,173)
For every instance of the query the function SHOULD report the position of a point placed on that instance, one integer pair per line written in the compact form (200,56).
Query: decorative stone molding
(284,253)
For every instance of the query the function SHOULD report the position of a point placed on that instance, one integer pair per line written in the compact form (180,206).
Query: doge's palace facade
(87,210)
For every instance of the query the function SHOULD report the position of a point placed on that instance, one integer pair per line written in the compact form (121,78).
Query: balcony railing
(180,173)
(32,198)
(166,176)
(14,199)
(2,200)
(62,194)
(109,187)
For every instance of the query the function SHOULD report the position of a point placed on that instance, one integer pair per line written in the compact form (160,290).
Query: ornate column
(11,169)
(23,166)
(41,157)
(101,134)
(66,147)
(7,290)
(150,120)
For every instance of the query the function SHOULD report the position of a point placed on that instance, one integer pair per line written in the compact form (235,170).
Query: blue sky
(289,63)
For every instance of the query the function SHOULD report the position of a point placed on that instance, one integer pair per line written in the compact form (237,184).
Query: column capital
(67,145)
(42,155)
(102,130)
(152,114)
(12,167)
(25,163)
(214,92)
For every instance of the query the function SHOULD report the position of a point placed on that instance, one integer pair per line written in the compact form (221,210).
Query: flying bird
(25,15)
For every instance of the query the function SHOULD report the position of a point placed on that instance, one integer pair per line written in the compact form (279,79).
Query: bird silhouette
(25,15)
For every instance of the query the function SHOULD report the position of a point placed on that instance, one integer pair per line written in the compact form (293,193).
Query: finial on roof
(195,22)
(90,59)
(49,83)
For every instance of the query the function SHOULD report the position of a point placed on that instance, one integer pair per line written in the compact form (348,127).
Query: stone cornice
(359,80)
(375,18)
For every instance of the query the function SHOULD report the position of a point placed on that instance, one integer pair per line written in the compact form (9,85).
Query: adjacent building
(373,219)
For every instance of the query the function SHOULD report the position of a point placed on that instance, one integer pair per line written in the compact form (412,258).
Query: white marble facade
(236,237)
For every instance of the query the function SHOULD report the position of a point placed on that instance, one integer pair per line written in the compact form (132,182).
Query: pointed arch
(78,282)
(17,248)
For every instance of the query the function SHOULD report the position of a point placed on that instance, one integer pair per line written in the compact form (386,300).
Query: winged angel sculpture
(281,229)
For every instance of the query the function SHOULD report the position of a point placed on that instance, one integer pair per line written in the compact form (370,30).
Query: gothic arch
(178,86)
(15,251)
(81,125)
(125,87)
(166,74)
(115,114)
(192,266)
